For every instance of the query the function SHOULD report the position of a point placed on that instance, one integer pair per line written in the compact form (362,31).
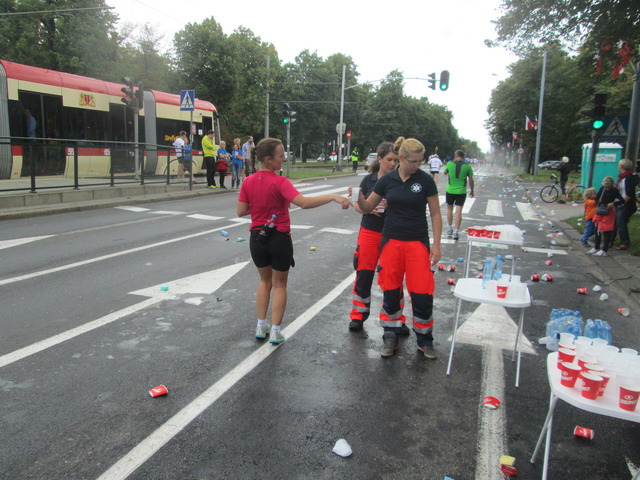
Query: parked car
(370,158)
(550,165)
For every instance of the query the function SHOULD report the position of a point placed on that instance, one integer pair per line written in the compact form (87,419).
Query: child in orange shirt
(589,211)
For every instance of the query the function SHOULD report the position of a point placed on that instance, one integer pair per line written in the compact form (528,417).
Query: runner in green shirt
(457,172)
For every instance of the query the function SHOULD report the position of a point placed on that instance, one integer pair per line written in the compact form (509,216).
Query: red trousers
(400,260)
(365,261)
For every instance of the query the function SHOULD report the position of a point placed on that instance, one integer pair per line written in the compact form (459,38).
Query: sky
(416,37)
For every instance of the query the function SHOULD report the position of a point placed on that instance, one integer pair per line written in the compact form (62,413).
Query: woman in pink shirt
(267,196)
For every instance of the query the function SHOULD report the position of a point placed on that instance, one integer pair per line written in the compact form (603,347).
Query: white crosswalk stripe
(494,208)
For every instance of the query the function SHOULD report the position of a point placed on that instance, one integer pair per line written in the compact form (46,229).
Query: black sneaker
(390,345)
(404,330)
(356,325)
(428,352)
(561,201)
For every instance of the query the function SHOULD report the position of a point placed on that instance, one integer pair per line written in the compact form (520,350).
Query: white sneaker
(600,253)
(262,331)
(592,251)
(456,235)
(449,231)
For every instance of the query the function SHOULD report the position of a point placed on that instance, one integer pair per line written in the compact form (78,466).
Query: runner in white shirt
(434,165)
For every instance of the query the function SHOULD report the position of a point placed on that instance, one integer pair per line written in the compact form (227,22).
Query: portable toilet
(606,164)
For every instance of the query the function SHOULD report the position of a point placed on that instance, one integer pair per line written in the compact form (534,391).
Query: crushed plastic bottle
(497,268)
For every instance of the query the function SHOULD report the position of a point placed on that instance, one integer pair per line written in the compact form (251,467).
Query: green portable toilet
(606,164)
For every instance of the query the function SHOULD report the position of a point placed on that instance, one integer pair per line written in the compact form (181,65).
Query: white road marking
(21,241)
(442,199)
(240,220)
(165,212)
(337,230)
(468,204)
(202,283)
(494,208)
(342,190)
(544,250)
(154,442)
(198,216)
(133,209)
(89,261)
(314,187)
(301,227)
(526,210)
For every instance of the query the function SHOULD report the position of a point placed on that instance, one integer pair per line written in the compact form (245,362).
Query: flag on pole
(529,125)
(515,137)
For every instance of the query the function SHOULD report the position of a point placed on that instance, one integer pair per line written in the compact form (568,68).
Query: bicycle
(551,193)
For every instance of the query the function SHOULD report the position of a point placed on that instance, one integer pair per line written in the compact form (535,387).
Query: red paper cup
(496,234)
(567,346)
(569,375)
(583,432)
(509,470)
(624,312)
(591,385)
(605,381)
(472,232)
(593,368)
(565,355)
(158,391)
(584,359)
(582,291)
(451,268)
(451,281)
(549,262)
(535,277)
(629,397)
(547,277)
(484,232)
(491,402)
(441,267)
(502,291)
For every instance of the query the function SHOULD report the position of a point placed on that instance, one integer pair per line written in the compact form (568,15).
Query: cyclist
(564,176)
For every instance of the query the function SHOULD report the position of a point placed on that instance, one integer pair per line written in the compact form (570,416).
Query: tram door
(122,157)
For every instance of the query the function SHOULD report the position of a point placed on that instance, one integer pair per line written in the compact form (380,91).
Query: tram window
(52,116)
(169,129)
(32,102)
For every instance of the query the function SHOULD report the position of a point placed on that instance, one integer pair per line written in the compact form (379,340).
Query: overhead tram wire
(62,10)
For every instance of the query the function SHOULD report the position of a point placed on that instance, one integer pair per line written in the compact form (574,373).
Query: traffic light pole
(595,145)
(540,108)
(340,132)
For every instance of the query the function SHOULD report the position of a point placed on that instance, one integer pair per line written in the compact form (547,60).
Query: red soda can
(583,432)
(441,267)
(547,277)
(451,281)
(582,291)
(451,268)
(535,277)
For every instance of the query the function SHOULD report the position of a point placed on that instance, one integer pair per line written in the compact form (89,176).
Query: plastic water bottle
(267,230)
(590,329)
(497,268)
(487,273)
(607,332)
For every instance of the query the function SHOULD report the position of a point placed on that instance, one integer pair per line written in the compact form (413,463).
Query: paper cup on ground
(604,297)
(355,193)
(629,397)
(491,402)
(342,448)
(569,374)
(502,289)
(597,288)
(158,391)
(582,291)
(624,312)
(591,385)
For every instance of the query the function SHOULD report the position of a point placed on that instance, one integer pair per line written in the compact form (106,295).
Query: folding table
(605,405)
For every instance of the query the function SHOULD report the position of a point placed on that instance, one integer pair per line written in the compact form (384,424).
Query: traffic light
(129,99)
(432,81)
(293,116)
(286,113)
(140,95)
(596,113)
(444,80)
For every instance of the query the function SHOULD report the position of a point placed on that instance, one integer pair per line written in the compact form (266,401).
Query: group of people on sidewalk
(608,211)
(393,238)
(241,159)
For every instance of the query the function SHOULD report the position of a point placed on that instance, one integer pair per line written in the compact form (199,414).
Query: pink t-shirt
(268,194)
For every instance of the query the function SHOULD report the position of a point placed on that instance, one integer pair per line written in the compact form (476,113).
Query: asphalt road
(79,352)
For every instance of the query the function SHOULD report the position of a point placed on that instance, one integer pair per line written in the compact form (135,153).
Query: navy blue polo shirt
(406,205)
(371,222)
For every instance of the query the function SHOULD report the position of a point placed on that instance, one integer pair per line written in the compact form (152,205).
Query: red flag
(528,124)
(515,137)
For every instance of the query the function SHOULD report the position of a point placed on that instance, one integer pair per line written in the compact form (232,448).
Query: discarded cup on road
(451,281)
(597,288)
(441,267)
(224,233)
(547,277)
(604,297)
(582,291)
(629,397)
(158,391)
(451,268)
(535,277)
(583,432)
(342,448)
(507,465)
(491,402)
(624,312)
(548,262)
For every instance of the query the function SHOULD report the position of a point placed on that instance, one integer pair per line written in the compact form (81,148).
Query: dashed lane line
(160,437)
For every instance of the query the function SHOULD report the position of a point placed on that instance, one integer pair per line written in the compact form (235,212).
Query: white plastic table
(470,290)
(605,405)
(471,241)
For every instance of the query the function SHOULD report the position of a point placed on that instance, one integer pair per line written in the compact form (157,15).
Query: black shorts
(456,198)
(183,160)
(434,171)
(276,253)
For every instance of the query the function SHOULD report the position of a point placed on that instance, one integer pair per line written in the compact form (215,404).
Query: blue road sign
(187,100)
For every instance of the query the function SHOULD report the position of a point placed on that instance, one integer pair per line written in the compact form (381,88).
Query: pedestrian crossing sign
(187,100)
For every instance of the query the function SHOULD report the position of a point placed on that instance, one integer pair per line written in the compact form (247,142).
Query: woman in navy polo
(405,251)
